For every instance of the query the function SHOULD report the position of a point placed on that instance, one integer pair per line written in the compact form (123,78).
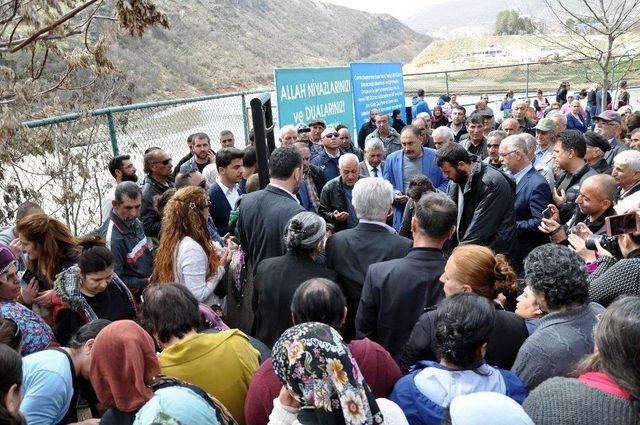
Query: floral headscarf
(316,366)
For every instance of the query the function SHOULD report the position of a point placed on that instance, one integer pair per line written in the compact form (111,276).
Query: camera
(610,243)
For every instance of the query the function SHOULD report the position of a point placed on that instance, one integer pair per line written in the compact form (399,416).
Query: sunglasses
(305,130)
(331,135)
(203,183)
(163,162)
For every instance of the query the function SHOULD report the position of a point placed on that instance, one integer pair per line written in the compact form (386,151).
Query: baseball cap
(546,124)
(609,116)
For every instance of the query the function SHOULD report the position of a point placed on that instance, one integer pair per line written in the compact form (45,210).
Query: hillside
(475,16)
(218,45)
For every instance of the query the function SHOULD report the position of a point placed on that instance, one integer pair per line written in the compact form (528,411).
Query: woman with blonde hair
(475,269)
(51,248)
(186,254)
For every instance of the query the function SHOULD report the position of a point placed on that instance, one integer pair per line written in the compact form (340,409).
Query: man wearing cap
(607,125)
(596,148)
(367,128)
(303,132)
(315,135)
(387,134)
(546,139)
(327,158)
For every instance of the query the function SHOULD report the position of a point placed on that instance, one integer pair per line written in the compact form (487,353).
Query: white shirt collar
(379,223)
(282,188)
(228,190)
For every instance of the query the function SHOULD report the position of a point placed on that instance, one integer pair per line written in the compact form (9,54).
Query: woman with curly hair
(607,388)
(476,269)
(185,253)
(464,323)
(558,279)
(51,248)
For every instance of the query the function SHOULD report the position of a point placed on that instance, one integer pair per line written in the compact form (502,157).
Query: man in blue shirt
(419,104)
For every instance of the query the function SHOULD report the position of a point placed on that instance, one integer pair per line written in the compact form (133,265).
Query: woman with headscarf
(276,279)
(439,118)
(322,383)
(126,376)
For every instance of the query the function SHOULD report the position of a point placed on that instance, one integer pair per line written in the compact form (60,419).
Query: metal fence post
(446,81)
(112,134)
(244,120)
(527,83)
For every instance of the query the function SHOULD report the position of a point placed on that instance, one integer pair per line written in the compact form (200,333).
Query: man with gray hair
(442,135)
(519,112)
(533,194)
(124,235)
(287,135)
(560,119)
(626,172)
(373,165)
(387,311)
(351,252)
(336,198)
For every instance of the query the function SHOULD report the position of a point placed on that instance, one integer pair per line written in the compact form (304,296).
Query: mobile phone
(620,224)
(547,213)
(27,276)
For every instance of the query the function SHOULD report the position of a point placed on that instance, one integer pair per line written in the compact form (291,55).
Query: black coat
(318,178)
(488,215)
(571,184)
(366,129)
(262,221)
(352,251)
(148,214)
(395,293)
(332,198)
(275,281)
(508,335)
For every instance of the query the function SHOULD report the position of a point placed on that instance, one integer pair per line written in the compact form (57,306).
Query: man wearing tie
(312,180)
(373,165)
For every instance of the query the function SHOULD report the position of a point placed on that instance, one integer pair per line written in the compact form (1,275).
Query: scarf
(441,118)
(604,383)
(122,366)
(67,287)
(314,364)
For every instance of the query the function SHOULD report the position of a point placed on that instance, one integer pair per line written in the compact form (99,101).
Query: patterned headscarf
(315,365)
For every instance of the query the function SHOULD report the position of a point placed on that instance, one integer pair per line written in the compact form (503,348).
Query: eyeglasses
(331,135)
(163,162)
(506,154)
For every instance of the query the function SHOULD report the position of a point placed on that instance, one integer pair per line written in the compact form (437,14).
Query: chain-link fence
(65,166)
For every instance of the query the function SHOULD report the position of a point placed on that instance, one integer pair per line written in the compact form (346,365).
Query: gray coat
(559,342)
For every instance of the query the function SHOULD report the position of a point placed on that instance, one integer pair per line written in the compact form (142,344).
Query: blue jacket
(220,208)
(574,124)
(419,105)
(532,197)
(327,164)
(393,171)
(421,410)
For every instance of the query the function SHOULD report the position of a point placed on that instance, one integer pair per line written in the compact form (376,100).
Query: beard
(130,177)
(461,177)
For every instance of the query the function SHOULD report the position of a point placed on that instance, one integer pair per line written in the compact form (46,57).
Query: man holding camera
(594,203)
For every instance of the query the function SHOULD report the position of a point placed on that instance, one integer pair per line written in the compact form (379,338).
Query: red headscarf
(123,362)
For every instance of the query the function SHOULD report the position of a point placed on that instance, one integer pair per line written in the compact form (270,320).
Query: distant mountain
(444,17)
(234,44)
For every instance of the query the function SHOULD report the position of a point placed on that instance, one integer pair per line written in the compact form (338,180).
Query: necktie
(375,171)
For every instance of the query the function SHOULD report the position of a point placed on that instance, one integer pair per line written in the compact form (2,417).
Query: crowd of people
(456,269)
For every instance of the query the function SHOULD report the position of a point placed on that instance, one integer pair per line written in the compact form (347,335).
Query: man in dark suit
(264,214)
(532,194)
(373,165)
(396,292)
(352,251)
(225,192)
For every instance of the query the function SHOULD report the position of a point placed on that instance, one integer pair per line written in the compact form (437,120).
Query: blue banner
(307,94)
(377,86)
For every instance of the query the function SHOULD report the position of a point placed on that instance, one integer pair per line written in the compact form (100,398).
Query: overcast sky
(399,8)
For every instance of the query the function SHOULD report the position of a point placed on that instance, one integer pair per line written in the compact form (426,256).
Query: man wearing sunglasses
(158,168)
(36,334)
(328,157)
